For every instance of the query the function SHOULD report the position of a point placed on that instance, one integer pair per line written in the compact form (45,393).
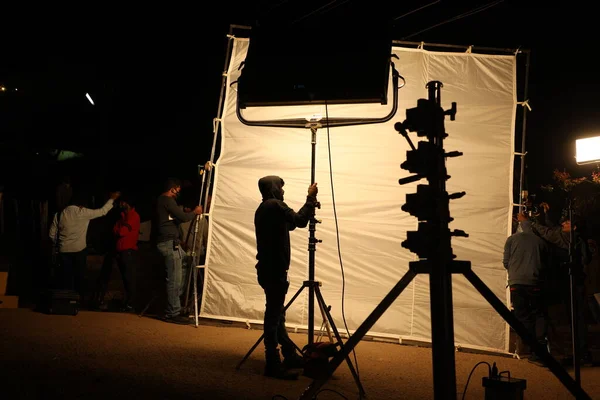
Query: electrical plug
(494,371)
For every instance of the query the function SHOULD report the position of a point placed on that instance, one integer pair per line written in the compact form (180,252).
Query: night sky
(155,74)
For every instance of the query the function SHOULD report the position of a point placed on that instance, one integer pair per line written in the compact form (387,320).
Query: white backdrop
(357,170)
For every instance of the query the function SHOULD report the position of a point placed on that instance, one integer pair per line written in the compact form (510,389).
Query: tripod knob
(451,112)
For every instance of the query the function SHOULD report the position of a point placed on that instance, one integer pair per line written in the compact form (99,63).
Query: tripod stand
(311,284)
(198,225)
(574,275)
(432,244)
(194,275)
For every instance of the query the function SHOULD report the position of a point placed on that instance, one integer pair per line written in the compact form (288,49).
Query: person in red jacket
(126,231)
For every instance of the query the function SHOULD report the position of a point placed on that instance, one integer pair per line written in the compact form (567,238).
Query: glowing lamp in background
(587,151)
(89,98)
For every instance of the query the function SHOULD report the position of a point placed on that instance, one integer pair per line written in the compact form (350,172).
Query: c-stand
(432,244)
(314,291)
(313,285)
(198,225)
(575,271)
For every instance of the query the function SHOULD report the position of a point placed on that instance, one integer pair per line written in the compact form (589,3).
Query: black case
(60,302)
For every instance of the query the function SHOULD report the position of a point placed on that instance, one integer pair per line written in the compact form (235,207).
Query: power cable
(325,8)
(337,231)
(415,10)
(473,370)
(456,18)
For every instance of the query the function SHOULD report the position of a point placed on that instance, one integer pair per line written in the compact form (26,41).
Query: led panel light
(587,150)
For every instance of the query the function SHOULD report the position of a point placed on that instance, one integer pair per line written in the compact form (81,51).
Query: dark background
(154,74)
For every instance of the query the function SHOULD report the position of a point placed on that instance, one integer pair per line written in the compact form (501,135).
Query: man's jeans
(173,267)
(71,275)
(275,333)
(530,308)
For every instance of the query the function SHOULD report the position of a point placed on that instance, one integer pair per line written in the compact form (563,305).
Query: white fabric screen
(365,166)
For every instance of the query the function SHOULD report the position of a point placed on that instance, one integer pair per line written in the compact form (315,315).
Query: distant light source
(587,150)
(2,88)
(89,98)
(67,155)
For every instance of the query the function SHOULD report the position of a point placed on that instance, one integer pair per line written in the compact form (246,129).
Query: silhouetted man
(560,236)
(526,258)
(273,222)
(169,216)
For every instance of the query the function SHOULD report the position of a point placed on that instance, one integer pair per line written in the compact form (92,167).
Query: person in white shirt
(68,231)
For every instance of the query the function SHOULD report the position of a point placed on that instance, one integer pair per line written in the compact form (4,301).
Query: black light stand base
(388,300)
(315,285)
(463,267)
(432,243)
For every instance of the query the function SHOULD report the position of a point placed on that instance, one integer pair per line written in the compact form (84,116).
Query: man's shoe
(274,367)
(277,371)
(293,362)
(181,320)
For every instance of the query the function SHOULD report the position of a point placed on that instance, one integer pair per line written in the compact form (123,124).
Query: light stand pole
(198,226)
(431,243)
(312,241)
(575,331)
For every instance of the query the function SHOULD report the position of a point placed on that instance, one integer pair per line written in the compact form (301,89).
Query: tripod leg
(200,277)
(195,277)
(541,351)
(189,260)
(326,322)
(325,311)
(304,285)
(147,306)
(250,351)
(311,391)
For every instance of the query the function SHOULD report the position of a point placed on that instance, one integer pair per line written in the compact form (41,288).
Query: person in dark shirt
(273,221)
(168,242)
(560,236)
(526,258)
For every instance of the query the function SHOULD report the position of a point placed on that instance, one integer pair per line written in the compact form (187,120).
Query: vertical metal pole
(312,244)
(440,277)
(217,120)
(196,223)
(524,133)
(195,276)
(574,300)
(1,212)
